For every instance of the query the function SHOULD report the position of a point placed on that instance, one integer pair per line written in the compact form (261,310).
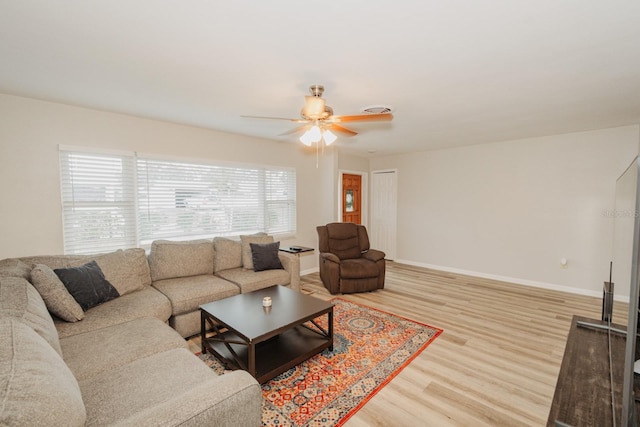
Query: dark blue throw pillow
(87,284)
(265,256)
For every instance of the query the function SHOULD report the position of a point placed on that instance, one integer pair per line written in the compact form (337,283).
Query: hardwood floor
(495,364)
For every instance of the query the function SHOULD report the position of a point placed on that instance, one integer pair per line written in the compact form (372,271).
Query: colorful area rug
(370,348)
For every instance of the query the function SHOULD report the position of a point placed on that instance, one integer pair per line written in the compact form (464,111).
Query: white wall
(512,210)
(508,210)
(30,131)
(353,163)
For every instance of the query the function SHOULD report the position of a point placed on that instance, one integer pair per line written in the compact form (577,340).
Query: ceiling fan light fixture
(314,107)
(315,134)
(329,137)
(318,119)
(306,138)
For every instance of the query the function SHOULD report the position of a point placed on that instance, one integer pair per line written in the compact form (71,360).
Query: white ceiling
(456,72)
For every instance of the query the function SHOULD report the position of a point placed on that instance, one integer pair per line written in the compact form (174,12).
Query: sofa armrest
(291,264)
(229,400)
(373,255)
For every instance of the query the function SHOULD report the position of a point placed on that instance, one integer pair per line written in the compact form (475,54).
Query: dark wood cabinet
(583,392)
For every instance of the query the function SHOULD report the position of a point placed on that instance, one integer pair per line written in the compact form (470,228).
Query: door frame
(364,208)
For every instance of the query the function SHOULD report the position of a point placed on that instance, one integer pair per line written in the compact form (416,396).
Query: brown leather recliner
(347,264)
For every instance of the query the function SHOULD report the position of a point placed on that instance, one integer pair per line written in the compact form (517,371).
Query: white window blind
(280,204)
(98,202)
(169,200)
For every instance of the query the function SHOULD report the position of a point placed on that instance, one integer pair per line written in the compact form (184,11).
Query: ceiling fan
(319,122)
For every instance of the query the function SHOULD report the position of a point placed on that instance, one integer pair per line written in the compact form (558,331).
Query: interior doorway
(352,198)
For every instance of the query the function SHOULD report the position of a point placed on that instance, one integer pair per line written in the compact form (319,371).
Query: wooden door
(351,198)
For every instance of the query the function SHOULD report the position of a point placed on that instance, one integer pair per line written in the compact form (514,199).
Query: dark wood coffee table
(266,341)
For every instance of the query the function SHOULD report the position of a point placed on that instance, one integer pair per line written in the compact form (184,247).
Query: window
(98,203)
(115,201)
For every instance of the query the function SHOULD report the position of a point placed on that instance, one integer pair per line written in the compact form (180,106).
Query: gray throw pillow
(247,257)
(87,285)
(55,295)
(265,256)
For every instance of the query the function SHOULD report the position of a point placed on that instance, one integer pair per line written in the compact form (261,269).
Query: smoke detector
(376,109)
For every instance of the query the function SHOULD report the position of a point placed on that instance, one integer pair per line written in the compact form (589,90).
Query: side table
(296,249)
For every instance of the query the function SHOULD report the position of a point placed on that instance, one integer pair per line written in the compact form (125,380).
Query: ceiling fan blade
(341,129)
(361,118)
(294,130)
(277,118)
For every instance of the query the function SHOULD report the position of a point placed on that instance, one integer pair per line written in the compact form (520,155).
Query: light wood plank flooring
(496,363)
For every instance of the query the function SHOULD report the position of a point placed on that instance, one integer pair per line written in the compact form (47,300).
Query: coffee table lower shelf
(273,356)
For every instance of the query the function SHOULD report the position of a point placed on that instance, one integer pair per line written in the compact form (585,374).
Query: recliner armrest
(373,255)
(330,257)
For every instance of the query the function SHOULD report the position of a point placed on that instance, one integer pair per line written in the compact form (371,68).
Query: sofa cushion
(169,259)
(14,267)
(20,300)
(127,270)
(230,400)
(166,389)
(87,284)
(247,257)
(118,345)
(36,386)
(227,254)
(250,281)
(147,302)
(55,295)
(265,256)
(189,293)
(56,261)
(187,324)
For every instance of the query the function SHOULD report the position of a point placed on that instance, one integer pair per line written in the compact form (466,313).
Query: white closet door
(383,229)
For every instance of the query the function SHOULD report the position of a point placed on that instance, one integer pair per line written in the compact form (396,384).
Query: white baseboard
(514,280)
(309,271)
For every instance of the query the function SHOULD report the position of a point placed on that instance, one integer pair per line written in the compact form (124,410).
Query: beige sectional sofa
(128,270)
(121,363)
(196,272)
